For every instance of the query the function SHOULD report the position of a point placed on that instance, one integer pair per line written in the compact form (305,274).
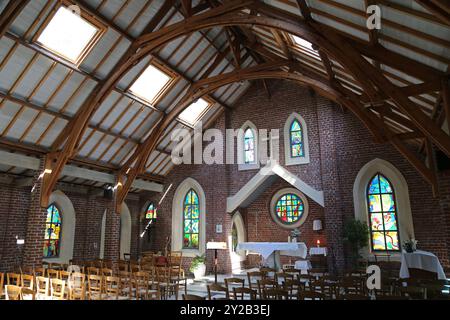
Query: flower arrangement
(410,245)
(295,234)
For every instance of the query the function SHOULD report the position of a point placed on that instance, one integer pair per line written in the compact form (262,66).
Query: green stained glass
(151,212)
(191,220)
(52,233)
(289,208)
(382,213)
(296,140)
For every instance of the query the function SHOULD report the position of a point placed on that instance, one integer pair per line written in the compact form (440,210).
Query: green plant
(198,260)
(356,235)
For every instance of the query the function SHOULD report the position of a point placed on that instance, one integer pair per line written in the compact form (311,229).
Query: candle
(318,243)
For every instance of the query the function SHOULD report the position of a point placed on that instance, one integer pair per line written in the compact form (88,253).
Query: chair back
(42,286)
(28,294)
(112,287)
(13,279)
(266,284)
(253,278)
(40,272)
(58,289)
(241,293)
(105,272)
(310,295)
(217,288)
(95,287)
(13,292)
(77,286)
(53,274)
(27,281)
(93,271)
(275,294)
(230,283)
(2,282)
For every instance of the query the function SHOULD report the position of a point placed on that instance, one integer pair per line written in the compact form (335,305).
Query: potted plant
(198,267)
(356,235)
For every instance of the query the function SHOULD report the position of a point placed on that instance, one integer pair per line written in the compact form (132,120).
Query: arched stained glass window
(191,220)
(52,232)
(151,212)
(234,238)
(289,208)
(296,140)
(249,146)
(382,215)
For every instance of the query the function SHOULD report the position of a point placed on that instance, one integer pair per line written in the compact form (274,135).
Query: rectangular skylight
(193,113)
(68,35)
(150,84)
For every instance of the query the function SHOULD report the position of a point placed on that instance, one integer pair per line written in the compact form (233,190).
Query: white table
(271,251)
(318,251)
(303,265)
(421,260)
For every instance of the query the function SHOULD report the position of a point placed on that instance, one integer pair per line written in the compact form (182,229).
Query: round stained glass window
(289,208)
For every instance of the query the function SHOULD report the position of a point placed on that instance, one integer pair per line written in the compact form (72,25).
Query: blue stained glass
(374,187)
(296,140)
(191,220)
(52,233)
(289,208)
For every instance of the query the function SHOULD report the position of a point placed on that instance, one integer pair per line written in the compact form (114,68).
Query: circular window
(289,208)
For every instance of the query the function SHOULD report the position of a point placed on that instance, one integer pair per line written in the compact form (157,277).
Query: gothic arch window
(249,146)
(191,220)
(296,140)
(383,221)
(296,147)
(151,212)
(52,237)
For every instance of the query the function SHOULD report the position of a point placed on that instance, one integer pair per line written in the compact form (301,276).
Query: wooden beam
(431,164)
(304,9)
(187,7)
(10,13)
(439,9)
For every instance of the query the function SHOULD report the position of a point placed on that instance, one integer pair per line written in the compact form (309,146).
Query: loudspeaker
(108,194)
(443,162)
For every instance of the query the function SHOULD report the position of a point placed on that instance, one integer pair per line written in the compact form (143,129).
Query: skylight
(150,83)
(303,43)
(193,113)
(69,35)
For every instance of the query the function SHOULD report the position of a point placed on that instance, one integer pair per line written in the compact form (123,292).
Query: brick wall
(339,147)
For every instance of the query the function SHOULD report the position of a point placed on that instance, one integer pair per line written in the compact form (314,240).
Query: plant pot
(200,271)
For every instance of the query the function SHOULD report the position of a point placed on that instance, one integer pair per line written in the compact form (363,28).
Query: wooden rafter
(440,9)
(10,13)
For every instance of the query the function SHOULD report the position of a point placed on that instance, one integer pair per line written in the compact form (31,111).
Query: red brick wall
(339,147)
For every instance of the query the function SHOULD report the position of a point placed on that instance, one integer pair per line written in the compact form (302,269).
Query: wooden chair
(275,294)
(95,287)
(126,285)
(13,292)
(221,292)
(105,272)
(93,271)
(53,274)
(281,277)
(230,283)
(253,278)
(140,284)
(268,272)
(326,288)
(293,287)
(241,293)
(77,286)
(124,266)
(57,289)
(13,279)
(112,289)
(264,285)
(40,272)
(27,281)
(164,280)
(354,297)
(42,288)
(154,292)
(28,294)
(175,261)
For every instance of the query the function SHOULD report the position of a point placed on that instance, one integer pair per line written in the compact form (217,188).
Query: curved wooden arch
(329,42)
(149,145)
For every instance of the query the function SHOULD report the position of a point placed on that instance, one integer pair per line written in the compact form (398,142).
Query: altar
(271,251)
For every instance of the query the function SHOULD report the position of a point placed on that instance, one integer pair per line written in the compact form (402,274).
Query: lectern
(216,246)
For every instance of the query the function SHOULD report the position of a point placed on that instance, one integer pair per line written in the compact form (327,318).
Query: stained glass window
(52,232)
(296,140)
(151,212)
(249,146)
(382,215)
(191,221)
(289,208)
(234,238)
